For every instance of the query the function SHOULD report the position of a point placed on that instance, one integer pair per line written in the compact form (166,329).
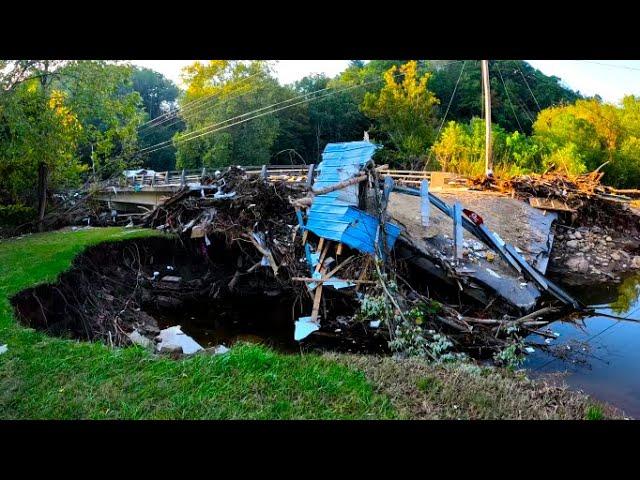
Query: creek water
(601,355)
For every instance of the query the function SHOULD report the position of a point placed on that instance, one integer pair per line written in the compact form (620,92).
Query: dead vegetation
(419,390)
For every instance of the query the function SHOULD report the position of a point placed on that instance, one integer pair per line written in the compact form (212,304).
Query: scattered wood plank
(550,204)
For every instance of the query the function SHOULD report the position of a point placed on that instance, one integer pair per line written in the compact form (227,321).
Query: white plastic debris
(3,349)
(155,275)
(169,267)
(207,242)
(529,349)
(547,341)
(220,195)
(374,323)
(175,336)
(304,327)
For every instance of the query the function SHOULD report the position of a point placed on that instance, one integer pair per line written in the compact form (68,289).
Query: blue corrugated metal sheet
(334,215)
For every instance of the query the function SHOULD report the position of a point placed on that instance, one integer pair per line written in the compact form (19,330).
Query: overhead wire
(220,125)
(506,90)
(189,106)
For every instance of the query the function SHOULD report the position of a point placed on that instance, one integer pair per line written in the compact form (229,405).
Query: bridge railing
(293,173)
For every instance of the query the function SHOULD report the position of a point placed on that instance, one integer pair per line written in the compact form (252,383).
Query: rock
(171,349)
(572,244)
(608,239)
(635,263)
(138,339)
(572,236)
(578,264)
(578,235)
(217,350)
(615,256)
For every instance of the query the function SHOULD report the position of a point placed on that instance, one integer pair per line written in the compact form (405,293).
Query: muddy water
(602,357)
(257,319)
(268,321)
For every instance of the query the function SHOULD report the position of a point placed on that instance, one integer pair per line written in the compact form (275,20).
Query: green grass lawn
(45,377)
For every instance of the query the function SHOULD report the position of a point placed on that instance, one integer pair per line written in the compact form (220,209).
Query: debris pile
(327,244)
(583,200)
(598,233)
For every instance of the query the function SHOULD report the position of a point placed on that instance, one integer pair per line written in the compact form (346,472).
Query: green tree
(227,90)
(38,140)
(159,96)
(336,117)
(404,113)
(101,96)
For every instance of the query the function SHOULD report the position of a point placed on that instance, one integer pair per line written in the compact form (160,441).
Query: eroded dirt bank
(126,292)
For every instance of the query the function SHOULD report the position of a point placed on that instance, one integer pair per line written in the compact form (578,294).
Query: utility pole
(487,117)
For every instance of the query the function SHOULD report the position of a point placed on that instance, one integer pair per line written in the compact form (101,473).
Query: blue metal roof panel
(333,215)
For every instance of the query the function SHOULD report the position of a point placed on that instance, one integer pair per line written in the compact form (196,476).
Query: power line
(506,90)
(211,128)
(177,118)
(625,67)
(453,93)
(189,106)
(527,84)
(236,117)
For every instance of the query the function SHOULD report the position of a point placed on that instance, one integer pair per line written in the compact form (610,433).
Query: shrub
(16,214)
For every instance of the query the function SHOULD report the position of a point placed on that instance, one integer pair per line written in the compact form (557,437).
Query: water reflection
(600,357)
(628,293)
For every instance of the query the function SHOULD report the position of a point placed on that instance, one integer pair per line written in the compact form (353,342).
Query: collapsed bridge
(351,222)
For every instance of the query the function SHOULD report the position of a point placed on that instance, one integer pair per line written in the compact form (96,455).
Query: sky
(611,79)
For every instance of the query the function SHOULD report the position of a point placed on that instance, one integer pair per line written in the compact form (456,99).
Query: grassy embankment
(45,377)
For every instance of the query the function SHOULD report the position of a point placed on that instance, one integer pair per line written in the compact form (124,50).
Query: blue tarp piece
(334,215)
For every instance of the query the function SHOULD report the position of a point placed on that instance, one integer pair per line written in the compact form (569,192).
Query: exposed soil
(148,284)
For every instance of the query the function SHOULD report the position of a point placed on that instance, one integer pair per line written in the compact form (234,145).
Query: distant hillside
(515,107)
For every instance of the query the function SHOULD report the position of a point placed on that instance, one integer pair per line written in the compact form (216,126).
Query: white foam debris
(3,349)
(175,336)
(304,327)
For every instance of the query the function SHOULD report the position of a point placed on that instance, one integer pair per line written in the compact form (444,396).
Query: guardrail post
(457,230)
(182,178)
(204,172)
(425,205)
(312,168)
(263,172)
(386,192)
(153,179)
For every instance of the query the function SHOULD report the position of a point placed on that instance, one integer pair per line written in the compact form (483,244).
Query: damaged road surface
(481,273)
